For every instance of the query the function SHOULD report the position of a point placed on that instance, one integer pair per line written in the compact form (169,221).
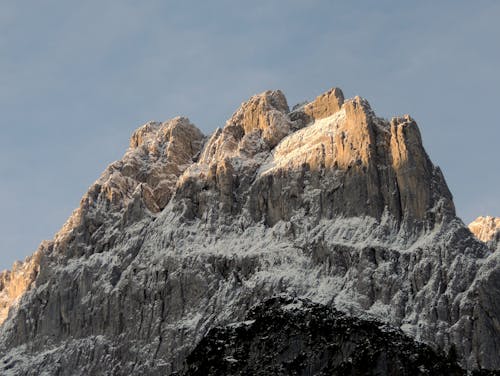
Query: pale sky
(76,78)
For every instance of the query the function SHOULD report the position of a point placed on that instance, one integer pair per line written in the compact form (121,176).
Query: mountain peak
(486,229)
(326,202)
(325,104)
(264,113)
(368,166)
(154,132)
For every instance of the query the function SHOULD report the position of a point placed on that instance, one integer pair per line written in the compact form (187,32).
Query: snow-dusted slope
(327,202)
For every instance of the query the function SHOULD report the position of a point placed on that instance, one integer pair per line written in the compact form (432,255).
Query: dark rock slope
(287,336)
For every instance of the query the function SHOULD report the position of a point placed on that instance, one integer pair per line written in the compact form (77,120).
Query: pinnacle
(153,130)
(265,113)
(485,228)
(325,104)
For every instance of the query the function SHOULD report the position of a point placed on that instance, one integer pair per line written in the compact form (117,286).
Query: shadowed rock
(286,336)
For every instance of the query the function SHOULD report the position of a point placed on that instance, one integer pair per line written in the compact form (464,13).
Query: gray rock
(328,202)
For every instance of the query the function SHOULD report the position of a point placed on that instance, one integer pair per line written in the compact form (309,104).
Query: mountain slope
(326,202)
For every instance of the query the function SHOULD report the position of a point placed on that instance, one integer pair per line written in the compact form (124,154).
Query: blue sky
(76,78)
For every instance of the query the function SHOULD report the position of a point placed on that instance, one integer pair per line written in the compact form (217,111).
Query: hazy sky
(76,78)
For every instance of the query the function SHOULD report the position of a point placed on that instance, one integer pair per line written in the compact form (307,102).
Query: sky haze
(76,78)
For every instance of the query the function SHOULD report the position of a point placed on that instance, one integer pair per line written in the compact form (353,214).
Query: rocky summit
(322,229)
(487,229)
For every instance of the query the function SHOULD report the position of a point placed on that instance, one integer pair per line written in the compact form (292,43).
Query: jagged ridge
(327,202)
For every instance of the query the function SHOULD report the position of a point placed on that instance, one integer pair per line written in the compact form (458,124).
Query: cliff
(487,229)
(325,202)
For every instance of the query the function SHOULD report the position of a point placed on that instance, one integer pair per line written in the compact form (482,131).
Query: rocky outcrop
(326,202)
(324,105)
(232,156)
(487,229)
(138,185)
(15,282)
(355,164)
(258,125)
(287,336)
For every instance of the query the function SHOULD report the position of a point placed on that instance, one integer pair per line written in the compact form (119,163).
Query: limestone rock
(325,105)
(487,229)
(258,125)
(361,165)
(15,282)
(327,202)
(145,176)
(232,155)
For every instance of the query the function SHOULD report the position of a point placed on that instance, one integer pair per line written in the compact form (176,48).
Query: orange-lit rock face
(412,168)
(486,229)
(325,105)
(257,126)
(15,282)
(363,165)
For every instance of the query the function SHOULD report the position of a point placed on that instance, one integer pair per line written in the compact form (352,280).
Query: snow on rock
(327,202)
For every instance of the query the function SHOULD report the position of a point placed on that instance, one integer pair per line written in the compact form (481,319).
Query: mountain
(325,203)
(487,229)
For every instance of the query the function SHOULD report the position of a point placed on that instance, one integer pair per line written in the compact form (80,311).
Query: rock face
(15,282)
(324,105)
(326,202)
(138,185)
(487,229)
